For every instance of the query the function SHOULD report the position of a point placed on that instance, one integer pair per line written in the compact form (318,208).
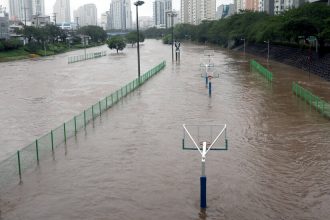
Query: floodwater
(130,164)
(39,95)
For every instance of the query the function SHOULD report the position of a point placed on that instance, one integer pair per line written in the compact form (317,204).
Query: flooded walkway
(129,164)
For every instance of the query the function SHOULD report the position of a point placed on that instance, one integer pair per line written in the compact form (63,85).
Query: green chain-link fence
(254,65)
(314,101)
(88,56)
(12,168)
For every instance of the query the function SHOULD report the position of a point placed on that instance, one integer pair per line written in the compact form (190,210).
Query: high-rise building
(121,14)
(224,11)
(208,9)
(4,23)
(195,11)
(20,10)
(283,5)
(23,10)
(38,7)
(86,15)
(267,6)
(252,5)
(240,5)
(161,9)
(62,11)
(105,18)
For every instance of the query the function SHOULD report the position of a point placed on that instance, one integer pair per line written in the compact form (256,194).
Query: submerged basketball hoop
(208,70)
(204,138)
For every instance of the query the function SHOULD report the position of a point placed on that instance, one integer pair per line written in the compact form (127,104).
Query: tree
(131,37)
(117,43)
(96,33)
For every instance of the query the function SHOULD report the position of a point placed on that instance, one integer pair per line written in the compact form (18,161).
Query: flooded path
(129,164)
(38,95)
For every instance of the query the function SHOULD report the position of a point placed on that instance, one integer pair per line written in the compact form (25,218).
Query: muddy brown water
(129,163)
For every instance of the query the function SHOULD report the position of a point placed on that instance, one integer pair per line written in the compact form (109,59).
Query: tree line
(51,37)
(289,28)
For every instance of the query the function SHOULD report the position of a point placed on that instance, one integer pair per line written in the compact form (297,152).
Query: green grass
(19,54)
(12,55)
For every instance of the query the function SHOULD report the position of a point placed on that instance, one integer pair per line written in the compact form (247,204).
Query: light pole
(172,14)
(267,42)
(137,4)
(243,39)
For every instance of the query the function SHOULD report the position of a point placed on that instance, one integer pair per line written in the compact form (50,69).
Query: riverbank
(20,54)
(304,59)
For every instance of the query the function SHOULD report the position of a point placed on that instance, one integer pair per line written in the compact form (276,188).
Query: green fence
(12,168)
(314,101)
(254,65)
(88,56)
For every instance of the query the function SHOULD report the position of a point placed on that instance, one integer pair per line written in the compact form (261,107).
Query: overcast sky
(104,5)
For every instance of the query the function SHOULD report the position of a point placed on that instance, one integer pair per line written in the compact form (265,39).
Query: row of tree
(40,38)
(312,19)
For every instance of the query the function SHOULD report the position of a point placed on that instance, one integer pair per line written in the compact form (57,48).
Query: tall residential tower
(195,11)
(86,15)
(121,14)
(62,11)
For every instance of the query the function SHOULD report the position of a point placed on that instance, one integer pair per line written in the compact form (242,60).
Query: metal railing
(254,65)
(13,167)
(314,101)
(87,56)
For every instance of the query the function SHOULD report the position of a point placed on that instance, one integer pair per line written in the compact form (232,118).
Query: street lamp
(267,42)
(137,4)
(243,39)
(172,14)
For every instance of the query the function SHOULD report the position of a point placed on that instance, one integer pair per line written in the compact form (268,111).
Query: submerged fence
(88,56)
(254,65)
(12,168)
(314,101)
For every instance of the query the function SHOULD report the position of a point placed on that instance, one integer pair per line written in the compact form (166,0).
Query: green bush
(2,47)
(12,44)
(32,47)
(167,39)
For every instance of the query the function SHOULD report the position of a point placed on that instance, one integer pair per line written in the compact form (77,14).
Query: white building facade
(86,15)
(121,15)
(161,10)
(195,11)
(4,23)
(22,10)
(62,11)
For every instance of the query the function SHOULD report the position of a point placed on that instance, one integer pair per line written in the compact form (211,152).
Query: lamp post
(172,14)
(243,39)
(137,4)
(267,42)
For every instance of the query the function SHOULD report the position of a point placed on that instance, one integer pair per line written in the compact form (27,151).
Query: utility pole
(24,8)
(54,15)
(77,22)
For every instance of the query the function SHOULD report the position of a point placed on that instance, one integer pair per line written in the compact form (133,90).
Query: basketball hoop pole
(206,147)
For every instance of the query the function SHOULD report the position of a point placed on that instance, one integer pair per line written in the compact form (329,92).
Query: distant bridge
(112,34)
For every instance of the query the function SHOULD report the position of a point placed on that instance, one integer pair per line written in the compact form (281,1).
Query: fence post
(52,140)
(100,108)
(85,118)
(106,102)
(37,151)
(64,129)
(111,99)
(19,166)
(93,112)
(75,125)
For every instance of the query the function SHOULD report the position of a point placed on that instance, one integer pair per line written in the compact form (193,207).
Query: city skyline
(102,6)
